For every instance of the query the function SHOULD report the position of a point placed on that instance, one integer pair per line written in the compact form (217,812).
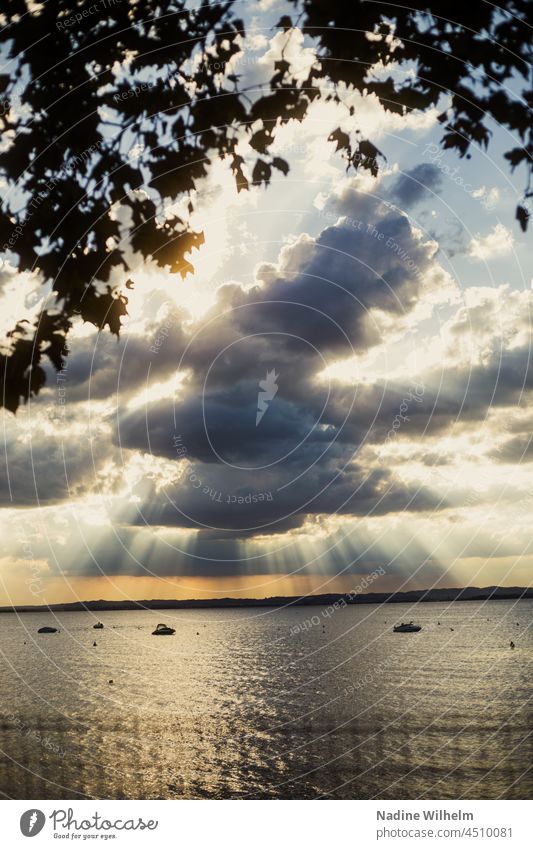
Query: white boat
(407,628)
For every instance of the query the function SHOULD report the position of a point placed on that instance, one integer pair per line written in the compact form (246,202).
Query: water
(240,704)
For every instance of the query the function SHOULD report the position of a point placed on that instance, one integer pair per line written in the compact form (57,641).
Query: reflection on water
(235,705)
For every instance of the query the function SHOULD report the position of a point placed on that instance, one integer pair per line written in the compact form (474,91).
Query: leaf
(281,165)
(342,139)
(285,23)
(516,156)
(261,173)
(366,156)
(106,309)
(261,140)
(522,216)
(240,180)
(68,158)
(36,379)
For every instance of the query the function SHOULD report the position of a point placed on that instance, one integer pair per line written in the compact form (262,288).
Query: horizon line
(429,594)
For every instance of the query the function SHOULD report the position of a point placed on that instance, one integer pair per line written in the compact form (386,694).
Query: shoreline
(277,602)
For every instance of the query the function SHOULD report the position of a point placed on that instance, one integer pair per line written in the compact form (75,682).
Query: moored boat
(163,629)
(407,628)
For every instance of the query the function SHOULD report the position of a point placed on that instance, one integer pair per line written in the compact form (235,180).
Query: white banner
(264,824)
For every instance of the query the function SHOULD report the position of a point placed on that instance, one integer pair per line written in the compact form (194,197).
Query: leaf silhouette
(100,112)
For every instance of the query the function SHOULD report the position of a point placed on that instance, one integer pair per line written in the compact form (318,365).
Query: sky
(386,322)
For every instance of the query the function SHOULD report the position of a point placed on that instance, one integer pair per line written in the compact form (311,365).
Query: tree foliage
(86,82)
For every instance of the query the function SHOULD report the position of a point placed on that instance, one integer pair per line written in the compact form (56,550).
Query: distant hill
(451,594)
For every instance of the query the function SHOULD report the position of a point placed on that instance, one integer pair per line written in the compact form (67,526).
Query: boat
(47,630)
(163,629)
(98,625)
(407,628)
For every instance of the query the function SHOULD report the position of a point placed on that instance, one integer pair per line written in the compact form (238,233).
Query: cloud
(22,296)
(498,242)
(53,467)
(416,185)
(195,485)
(100,366)
(516,450)
(321,301)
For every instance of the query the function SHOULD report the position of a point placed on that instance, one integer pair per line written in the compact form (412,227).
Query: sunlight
(157,391)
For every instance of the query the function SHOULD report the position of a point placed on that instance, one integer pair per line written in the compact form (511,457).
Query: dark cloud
(307,455)
(243,505)
(414,186)
(516,450)
(100,365)
(323,302)
(318,305)
(49,469)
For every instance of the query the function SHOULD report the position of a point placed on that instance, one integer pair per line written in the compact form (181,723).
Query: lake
(263,703)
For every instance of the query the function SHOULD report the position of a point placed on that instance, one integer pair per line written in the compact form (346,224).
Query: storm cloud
(320,303)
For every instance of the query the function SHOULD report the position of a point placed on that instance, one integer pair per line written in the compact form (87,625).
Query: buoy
(94,643)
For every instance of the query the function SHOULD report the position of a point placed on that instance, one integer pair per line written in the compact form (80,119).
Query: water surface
(259,703)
